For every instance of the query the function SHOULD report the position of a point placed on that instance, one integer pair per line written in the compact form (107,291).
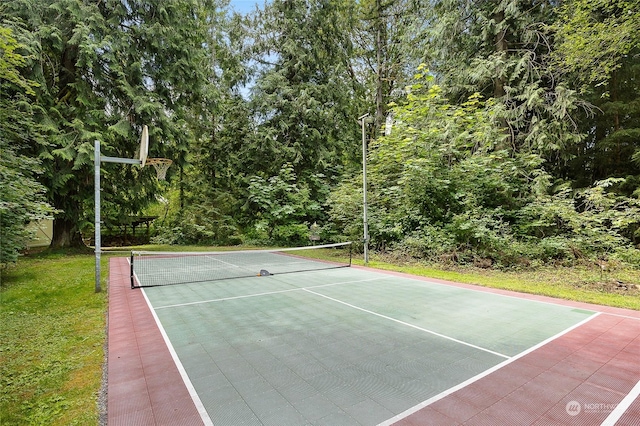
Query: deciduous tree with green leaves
(283,207)
(596,36)
(442,186)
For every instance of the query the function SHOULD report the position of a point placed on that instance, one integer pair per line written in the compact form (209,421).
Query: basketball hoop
(161,165)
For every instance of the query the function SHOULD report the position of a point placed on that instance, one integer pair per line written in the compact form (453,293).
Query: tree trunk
(380,67)
(616,116)
(181,188)
(501,47)
(498,80)
(65,234)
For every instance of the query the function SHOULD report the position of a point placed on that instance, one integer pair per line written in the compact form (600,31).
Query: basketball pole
(98,159)
(96,187)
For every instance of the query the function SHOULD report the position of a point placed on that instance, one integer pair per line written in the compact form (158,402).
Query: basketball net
(161,165)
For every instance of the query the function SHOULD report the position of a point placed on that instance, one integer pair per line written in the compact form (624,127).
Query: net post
(131,271)
(350,253)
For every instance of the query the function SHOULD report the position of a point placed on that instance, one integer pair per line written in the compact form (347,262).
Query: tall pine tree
(502,50)
(303,98)
(104,69)
(598,47)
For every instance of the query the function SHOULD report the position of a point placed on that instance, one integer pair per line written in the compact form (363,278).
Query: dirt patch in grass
(612,286)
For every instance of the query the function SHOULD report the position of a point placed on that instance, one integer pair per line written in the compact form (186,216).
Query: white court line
(473,379)
(622,406)
(221,261)
(264,294)
(621,316)
(183,373)
(179,271)
(484,291)
(200,302)
(409,324)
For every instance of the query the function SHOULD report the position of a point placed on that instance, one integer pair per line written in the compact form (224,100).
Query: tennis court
(356,346)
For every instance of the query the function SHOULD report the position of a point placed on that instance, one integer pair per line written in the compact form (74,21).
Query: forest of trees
(503,132)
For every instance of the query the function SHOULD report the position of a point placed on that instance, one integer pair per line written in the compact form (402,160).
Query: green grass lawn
(52,336)
(52,323)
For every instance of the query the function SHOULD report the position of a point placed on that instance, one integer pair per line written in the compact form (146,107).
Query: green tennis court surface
(341,346)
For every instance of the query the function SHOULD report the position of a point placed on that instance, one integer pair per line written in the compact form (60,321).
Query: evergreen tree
(598,43)
(390,50)
(22,198)
(303,96)
(212,186)
(442,188)
(502,50)
(104,69)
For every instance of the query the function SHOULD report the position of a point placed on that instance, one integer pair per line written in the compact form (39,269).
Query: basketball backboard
(144,145)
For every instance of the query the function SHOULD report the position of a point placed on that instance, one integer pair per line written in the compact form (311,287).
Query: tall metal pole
(98,249)
(364,189)
(98,159)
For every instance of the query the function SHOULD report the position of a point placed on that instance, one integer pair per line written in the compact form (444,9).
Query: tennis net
(152,268)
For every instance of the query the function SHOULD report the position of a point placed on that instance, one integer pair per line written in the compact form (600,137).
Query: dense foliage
(444,187)
(22,197)
(516,143)
(103,70)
